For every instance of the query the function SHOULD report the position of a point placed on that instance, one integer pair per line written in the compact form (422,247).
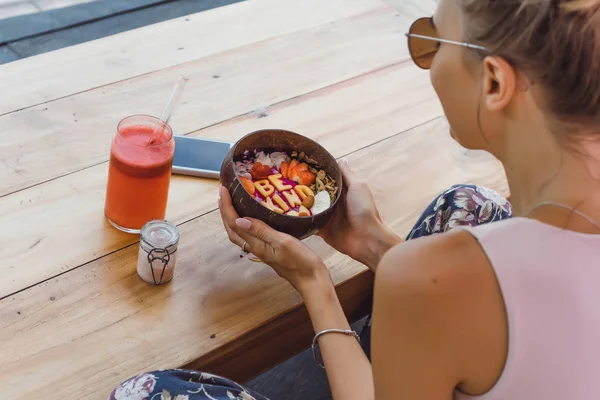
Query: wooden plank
(417,9)
(347,116)
(73,133)
(79,68)
(104,22)
(344,117)
(123,326)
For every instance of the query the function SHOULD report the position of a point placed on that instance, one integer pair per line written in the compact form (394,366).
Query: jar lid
(159,234)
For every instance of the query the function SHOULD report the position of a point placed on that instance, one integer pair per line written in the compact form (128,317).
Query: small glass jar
(158,252)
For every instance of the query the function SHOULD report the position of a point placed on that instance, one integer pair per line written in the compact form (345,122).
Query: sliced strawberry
(260,171)
(293,172)
(302,167)
(293,164)
(254,170)
(248,185)
(265,171)
(284,169)
(306,178)
(292,175)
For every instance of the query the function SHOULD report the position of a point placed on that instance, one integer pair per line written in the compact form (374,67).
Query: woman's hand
(288,256)
(356,228)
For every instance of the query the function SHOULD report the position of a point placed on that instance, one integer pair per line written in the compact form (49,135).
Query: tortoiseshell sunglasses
(424,42)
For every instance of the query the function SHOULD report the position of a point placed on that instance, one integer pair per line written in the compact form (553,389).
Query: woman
(507,310)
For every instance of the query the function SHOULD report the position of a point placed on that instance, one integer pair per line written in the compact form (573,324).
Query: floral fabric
(179,384)
(458,206)
(461,205)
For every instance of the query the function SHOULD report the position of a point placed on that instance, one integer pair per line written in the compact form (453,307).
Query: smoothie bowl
(284,179)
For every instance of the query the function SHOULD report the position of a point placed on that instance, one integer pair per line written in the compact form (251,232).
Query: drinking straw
(166,114)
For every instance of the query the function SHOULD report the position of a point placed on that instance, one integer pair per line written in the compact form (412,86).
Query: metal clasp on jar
(162,255)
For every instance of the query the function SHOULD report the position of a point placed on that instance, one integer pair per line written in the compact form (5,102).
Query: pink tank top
(550,280)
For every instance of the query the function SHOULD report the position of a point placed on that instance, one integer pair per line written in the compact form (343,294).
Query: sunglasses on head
(424,42)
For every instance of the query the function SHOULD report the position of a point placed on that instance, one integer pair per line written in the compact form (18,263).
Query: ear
(500,83)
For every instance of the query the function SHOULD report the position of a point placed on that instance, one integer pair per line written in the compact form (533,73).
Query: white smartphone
(199,157)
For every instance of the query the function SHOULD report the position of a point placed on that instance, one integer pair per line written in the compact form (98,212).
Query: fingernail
(243,223)
(219,202)
(344,161)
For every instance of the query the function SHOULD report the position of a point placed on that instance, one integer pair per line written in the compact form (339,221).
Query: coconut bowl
(271,140)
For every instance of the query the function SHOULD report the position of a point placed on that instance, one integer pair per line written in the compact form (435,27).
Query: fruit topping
(293,172)
(248,185)
(293,164)
(260,171)
(295,186)
(284,169)
(305,178)
(301,174)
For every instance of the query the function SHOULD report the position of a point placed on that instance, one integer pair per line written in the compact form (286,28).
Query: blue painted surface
(55,29)
(7,55)
(19,27)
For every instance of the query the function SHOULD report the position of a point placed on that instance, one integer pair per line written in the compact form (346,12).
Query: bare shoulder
(452,259)
(443,293)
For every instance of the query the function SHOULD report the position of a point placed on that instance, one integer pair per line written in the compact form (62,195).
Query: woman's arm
(347,366)
(348,369)
(377,241)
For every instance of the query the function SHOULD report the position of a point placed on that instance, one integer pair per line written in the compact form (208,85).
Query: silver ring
(244,247)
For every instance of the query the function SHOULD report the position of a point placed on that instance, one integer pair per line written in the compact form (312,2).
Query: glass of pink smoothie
(139,172)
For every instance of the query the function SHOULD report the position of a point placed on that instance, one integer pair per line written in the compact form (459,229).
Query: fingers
(229,215)
(348,174)
(255,233)
(257,230)
(261,239)
(234,237)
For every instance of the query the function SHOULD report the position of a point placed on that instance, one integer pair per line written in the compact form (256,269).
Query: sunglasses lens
(421,50)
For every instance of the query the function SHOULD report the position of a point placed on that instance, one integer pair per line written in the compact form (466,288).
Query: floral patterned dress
(461,205)
(179,384)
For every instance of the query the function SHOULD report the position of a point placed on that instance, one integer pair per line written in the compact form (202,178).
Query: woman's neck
(542,171)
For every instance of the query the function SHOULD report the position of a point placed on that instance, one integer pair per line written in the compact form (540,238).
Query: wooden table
(74,317)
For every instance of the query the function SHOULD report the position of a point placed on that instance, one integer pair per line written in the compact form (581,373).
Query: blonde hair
(555,42)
